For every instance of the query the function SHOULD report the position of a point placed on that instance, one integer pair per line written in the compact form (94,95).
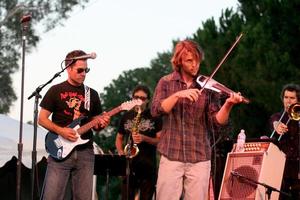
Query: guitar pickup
(58,143)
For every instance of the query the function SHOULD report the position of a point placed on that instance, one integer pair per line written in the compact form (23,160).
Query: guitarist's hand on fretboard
(69,134)
(103,121)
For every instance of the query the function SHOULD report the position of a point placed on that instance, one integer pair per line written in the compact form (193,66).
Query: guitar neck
(83,129)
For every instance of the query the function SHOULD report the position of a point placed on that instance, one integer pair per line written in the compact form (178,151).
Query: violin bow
(221,62)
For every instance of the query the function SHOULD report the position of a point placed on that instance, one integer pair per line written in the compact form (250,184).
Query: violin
(209,83)
(213,85)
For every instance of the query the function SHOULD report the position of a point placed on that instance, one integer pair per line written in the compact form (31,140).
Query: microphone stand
(25,24)
(269,188)
(37,96)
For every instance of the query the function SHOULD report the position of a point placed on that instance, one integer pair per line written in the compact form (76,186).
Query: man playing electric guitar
(66,102)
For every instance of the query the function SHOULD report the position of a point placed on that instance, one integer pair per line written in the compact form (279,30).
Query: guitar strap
(87,97)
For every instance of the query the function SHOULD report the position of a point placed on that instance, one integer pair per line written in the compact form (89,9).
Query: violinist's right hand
(191,94)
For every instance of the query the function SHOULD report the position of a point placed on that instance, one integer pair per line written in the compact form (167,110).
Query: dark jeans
(79,167)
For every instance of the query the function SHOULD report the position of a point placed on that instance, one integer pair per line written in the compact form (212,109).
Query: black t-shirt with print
(145,161)
(66,103)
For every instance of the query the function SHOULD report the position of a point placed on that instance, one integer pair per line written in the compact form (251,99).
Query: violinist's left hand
(235,98)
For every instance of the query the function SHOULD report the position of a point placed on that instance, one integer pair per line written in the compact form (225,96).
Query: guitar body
(59,147)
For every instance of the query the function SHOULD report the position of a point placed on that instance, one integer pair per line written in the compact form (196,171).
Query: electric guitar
(59,147)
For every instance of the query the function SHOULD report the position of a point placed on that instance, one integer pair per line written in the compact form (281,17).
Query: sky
(125,34)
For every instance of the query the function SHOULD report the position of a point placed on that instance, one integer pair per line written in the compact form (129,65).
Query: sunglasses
(80,70)
(139,97)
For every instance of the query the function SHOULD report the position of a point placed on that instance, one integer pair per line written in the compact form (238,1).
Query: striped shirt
(186,128)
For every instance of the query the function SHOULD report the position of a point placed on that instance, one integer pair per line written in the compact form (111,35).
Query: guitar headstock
(128,105)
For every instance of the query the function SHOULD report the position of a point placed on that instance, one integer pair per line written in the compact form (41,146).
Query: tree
(264,60)
(268,57)
(48,14)
(120,89)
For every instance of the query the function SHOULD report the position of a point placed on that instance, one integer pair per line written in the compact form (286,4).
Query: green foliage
(120,90)
(265,59)
(47,14)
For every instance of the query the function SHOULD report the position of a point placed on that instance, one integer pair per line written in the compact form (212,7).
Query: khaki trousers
(176,179)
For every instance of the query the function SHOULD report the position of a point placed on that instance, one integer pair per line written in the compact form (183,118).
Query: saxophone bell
(131,151)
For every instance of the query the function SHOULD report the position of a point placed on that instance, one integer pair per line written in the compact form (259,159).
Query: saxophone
(131,150)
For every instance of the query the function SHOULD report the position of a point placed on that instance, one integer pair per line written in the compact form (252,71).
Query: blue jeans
(79,167)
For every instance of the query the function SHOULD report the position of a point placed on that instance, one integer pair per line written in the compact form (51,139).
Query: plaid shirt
(186,128)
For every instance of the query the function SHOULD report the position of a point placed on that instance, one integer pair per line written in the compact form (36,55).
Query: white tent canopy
(9,139)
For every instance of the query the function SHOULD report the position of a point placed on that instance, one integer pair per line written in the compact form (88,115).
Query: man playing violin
(188,118)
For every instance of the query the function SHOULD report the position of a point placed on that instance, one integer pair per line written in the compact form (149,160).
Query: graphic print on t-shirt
(73,101)
(144,125)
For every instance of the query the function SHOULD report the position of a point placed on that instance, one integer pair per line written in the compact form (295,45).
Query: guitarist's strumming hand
(69,134)
(103,121)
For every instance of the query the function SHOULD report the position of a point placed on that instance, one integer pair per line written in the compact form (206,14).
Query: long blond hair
(182,48)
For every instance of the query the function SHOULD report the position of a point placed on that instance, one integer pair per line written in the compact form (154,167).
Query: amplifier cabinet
(245,169)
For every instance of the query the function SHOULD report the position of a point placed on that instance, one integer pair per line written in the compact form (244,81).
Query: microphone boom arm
(269,188)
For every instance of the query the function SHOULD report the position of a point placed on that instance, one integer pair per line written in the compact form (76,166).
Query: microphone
(25,18)
(84,57)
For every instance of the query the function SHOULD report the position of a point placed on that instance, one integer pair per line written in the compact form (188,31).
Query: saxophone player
(142,129)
